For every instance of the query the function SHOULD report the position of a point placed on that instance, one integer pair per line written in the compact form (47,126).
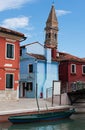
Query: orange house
(9,63)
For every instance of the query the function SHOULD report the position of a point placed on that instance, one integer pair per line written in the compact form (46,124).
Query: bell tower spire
(51,29)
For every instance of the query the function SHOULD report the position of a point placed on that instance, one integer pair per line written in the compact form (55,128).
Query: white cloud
(17,22)
(12,4)
(28,35)
(62,12)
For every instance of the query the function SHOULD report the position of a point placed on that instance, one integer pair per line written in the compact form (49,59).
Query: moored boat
(39,117)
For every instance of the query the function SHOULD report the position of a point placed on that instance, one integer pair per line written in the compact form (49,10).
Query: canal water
(76,122)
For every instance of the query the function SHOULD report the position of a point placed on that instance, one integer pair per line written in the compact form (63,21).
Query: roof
(12,32)
(52,19)
(37,56)
(61,56)
(32,44)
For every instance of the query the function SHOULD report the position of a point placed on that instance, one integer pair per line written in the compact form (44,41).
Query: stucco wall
(46,73)
(65,74)
(36,48)
(41,76)
(25,76)
(64,99)
(8,95)
(60,100)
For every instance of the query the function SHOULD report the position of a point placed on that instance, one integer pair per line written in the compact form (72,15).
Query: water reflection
(75,123)
(58,125)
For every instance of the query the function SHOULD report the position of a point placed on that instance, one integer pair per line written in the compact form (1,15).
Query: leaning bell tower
(51,30)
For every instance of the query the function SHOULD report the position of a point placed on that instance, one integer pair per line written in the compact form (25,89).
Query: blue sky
(29,17)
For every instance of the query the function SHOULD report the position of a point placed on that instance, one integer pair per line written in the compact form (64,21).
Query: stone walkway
(24,105)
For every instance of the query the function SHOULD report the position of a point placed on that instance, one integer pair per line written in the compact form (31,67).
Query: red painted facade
(9,66)
(66,76)
(65,72)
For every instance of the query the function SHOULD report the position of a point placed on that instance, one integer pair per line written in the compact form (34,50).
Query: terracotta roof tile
(8,31)
(37,56)
(68,57)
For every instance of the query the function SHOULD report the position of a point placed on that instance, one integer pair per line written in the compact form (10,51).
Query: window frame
(9,88)
(30,68)
(73,72)
(29,88)
(83,69)
(11,58)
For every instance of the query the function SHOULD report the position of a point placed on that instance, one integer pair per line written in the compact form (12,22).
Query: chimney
(54,51)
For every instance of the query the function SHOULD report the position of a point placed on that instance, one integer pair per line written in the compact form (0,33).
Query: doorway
(22,89)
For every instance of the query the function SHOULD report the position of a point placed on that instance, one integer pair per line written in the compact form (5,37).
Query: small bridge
(77,91)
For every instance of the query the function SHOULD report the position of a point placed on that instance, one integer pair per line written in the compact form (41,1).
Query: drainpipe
(24,38)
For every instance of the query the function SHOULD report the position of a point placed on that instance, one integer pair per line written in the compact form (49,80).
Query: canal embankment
(26,106)
(80,106)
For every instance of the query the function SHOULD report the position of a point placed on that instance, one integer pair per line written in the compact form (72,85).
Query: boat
(51,114)
(40,117)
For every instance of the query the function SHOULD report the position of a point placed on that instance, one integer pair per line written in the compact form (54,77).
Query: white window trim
(6,51)
(13,82)
(82,69)
(74,69)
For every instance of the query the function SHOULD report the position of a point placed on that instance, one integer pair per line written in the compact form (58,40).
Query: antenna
(53,2)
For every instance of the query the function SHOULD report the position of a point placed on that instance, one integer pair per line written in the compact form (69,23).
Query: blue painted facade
(44,72)
(25,76)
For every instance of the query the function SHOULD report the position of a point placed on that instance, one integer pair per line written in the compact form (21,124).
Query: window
(48,35)
(31,68)
(20,51)
(10,51)
(73,68)
(29,86)
(9,81)
(55,36)
(83,69)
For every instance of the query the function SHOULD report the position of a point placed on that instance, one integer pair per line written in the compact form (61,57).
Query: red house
(9,62)
(71,71)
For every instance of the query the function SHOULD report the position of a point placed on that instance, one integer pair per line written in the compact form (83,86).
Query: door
(23,89)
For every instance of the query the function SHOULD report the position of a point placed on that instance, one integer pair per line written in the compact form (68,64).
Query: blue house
(38,65)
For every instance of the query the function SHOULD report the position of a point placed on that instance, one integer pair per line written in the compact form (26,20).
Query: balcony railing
(72,86)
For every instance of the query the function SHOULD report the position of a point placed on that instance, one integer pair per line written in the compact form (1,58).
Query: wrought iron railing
(72,86)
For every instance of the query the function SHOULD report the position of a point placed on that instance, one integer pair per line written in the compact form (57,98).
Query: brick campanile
(51,30)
